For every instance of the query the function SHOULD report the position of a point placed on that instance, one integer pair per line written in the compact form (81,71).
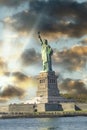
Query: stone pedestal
(50,99)
(47,87)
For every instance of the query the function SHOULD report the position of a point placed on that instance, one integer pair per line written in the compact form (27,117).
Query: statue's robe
(46,57)
(44,53)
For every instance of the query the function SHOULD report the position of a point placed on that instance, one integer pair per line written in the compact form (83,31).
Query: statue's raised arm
(39,36)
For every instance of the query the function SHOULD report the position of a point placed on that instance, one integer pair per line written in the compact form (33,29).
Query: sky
(64,24)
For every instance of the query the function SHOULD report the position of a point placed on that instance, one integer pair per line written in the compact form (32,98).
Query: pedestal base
(49,107)
(47,87)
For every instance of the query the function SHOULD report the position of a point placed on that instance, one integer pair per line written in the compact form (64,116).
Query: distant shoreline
(43,115)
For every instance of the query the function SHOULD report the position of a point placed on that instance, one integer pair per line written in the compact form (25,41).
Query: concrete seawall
(43,115)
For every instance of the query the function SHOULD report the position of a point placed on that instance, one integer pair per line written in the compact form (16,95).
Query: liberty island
(48,102)
(48,98)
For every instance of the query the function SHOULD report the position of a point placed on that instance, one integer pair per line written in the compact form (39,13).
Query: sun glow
(4,80)
(12,48)
(9,51)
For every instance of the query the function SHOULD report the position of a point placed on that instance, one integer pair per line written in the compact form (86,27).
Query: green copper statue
(46,54)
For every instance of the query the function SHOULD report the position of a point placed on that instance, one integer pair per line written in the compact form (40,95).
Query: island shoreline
(42,115)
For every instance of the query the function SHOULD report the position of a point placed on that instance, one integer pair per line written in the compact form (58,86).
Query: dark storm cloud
(73,86)
(12,91)
(67,17)
(56,16)
(11,3)
(71,59)
(30,56)
(22,22)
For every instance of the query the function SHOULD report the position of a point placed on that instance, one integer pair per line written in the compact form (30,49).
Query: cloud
(53,17)
(11,91)
(84,42)
(24,81)
(11,3)
(3,100)
(73,86)
(20,79)
(20,76)
(1,43)
(16,85)
(72,59)
(29,57)
(2,63)
(3,66)
(22,22)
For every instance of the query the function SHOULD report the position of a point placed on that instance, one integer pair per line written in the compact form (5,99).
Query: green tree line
(78,98)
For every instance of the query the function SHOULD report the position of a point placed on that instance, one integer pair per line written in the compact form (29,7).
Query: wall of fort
(30,108)
(4,108)
(21,108)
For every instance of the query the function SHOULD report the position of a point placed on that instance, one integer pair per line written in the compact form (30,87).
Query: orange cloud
(3,66)
(23,81)
(72,59)
(71,86)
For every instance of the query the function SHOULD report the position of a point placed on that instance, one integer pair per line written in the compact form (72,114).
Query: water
(66,123)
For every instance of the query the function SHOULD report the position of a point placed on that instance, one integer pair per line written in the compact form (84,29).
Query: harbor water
(61,123)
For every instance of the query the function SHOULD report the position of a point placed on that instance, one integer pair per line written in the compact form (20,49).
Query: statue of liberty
(46,52)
